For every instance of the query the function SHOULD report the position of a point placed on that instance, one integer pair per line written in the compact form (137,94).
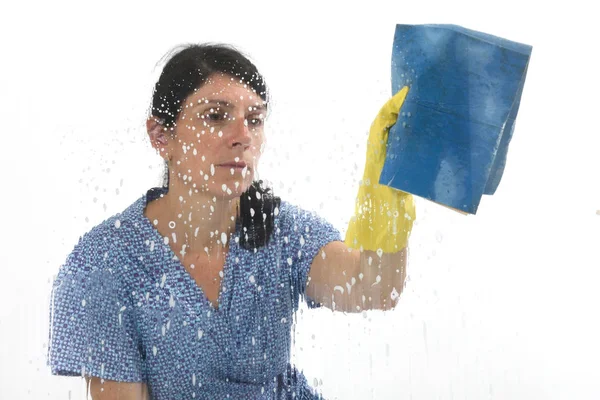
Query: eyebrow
(225,103)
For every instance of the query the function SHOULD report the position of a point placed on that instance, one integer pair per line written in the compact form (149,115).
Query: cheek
(193,157)
(259,141)
(194,130)
(198,142)
(261,148)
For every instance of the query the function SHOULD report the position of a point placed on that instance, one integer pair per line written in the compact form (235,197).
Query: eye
(255,120)
(213,115)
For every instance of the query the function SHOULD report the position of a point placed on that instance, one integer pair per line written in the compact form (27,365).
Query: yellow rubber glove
(384,216)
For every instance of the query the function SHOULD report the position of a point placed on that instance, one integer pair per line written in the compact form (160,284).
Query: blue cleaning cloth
(450,142)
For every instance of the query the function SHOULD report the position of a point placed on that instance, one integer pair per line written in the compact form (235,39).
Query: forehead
(226,88)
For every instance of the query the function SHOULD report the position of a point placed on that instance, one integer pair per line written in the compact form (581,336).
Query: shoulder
(296,220)
(102,247)
(290,213)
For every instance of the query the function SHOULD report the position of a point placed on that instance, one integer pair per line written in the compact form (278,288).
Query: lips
(233,164)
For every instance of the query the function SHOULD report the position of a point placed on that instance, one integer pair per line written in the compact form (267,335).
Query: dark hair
(186,71)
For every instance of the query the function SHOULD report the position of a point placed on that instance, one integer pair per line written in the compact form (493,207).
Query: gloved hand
(383,216)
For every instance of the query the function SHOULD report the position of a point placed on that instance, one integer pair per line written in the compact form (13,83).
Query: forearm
(373,283)
(381,278)
(101,389)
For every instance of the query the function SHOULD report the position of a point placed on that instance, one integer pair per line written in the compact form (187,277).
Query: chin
(233,192)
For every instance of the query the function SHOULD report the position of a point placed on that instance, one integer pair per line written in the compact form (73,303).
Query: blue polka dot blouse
(124,308)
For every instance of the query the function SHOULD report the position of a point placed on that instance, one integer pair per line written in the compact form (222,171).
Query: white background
(501,305)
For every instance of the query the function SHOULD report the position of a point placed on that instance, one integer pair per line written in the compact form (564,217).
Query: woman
(191,291)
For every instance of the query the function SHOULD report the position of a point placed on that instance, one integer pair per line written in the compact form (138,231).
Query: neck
(196,222)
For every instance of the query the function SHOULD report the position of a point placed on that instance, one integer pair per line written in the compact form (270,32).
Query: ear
(158,135)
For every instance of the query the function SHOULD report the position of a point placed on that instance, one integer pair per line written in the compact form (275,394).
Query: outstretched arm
(368,269)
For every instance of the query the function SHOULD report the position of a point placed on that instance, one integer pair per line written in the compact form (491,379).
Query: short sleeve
(92,331)
(305,233)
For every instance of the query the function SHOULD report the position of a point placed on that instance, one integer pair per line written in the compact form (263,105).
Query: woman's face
(218,139)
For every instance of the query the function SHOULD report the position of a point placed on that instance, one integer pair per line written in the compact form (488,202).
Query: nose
(240,135)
